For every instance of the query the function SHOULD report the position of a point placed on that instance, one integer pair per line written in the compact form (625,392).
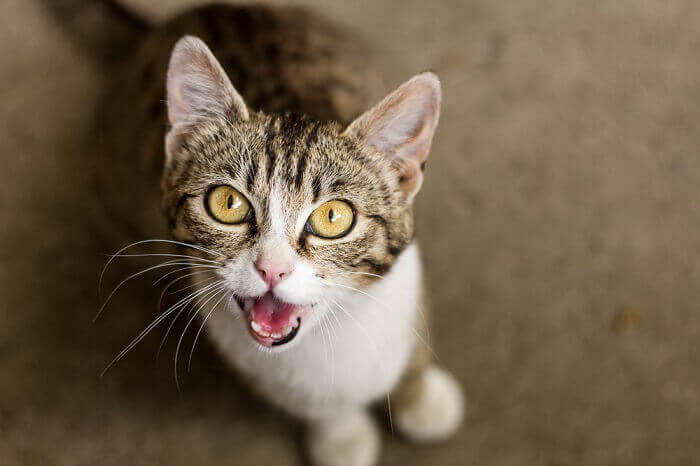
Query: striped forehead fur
(307,161)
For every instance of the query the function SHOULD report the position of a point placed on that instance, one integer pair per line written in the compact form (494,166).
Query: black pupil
(331,215)
(229,203)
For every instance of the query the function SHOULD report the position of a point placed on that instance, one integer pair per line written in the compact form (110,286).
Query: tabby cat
(283,174)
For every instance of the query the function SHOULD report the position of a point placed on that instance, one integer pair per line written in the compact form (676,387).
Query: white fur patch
(341,359)
(349,440)
(437,413)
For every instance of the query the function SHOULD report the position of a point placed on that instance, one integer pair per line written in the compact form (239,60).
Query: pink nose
(272,272)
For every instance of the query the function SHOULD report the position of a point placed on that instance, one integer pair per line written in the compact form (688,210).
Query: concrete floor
(559,223)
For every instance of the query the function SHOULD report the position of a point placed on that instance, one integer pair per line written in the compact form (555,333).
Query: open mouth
(271,322)
(277,338)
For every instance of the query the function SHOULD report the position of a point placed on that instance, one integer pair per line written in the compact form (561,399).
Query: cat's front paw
(434,409)
(351,440)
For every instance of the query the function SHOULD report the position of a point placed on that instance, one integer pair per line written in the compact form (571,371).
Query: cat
(290,183)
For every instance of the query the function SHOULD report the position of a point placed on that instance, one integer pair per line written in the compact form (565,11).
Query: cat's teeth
(258,329)
(275,336)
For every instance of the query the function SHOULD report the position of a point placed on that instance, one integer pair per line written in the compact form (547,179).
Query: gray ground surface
(559,224)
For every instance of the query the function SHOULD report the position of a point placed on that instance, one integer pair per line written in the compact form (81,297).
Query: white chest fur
(352,358)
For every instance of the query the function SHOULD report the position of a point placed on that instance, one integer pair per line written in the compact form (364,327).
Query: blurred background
(559,223)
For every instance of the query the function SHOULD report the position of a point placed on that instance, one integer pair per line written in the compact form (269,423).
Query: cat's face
(301,212)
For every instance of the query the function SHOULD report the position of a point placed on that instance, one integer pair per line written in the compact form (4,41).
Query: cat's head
(302,212)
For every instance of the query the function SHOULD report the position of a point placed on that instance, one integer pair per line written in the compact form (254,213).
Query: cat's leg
(351,439)
(428,403)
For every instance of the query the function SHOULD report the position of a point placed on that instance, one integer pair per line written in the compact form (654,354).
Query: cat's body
(350,303)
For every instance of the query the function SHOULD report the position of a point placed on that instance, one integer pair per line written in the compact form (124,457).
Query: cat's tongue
(272,322)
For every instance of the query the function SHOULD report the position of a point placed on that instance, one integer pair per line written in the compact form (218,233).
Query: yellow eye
(332,220)
(227,205)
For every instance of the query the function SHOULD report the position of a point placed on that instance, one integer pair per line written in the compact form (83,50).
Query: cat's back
(279,59)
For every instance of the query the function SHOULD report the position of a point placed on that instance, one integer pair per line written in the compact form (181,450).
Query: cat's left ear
(402,127)
(198,86)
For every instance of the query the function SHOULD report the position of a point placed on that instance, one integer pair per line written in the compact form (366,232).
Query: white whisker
(175,280)
(203,266)
(154,267)
(204,321)
(358,273)
(183,256)
(326,360)
(330,345)
(150,327)
(217,290)
(146,241)
(172,323)
(386,306)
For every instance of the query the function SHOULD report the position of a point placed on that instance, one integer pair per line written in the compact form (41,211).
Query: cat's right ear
(402,126)
(198,86)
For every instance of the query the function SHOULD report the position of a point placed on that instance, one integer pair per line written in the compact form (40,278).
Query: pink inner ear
(410,175)
(416,145)
(198,86)
(402,126)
